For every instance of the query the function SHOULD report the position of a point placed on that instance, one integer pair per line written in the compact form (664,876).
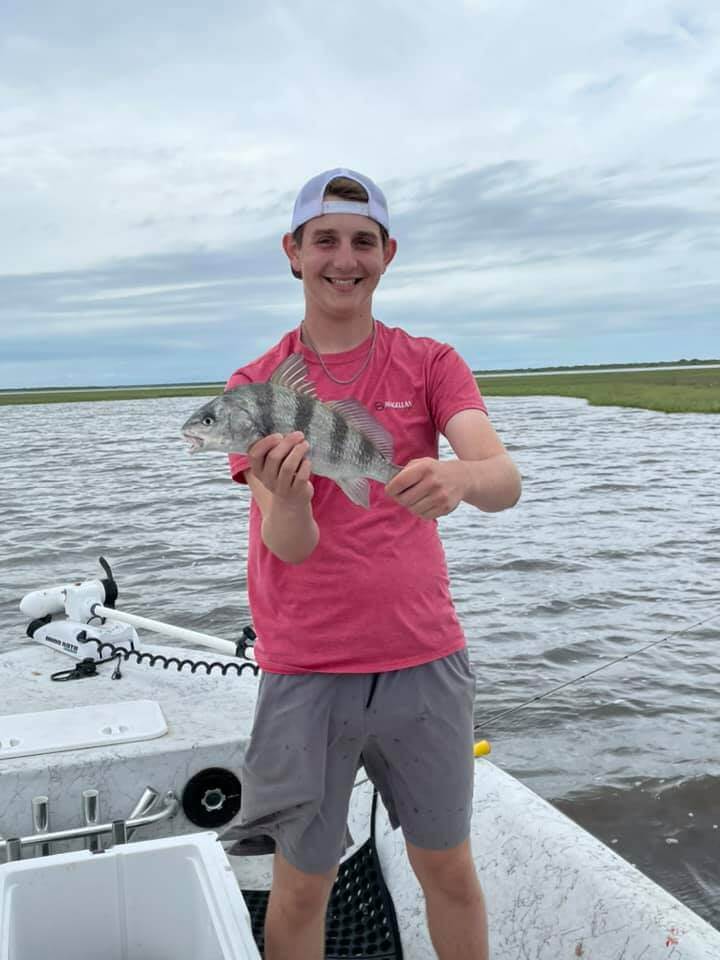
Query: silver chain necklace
(355,376)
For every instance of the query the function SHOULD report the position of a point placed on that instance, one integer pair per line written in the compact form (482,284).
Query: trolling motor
(92,626)
(72,598)
(81,634)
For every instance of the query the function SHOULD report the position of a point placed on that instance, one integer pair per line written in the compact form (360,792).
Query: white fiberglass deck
(552,890)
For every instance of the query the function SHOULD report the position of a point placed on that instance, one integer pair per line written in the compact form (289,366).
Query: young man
(362,653)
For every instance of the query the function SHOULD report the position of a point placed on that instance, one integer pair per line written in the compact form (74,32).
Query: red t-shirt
(374,594)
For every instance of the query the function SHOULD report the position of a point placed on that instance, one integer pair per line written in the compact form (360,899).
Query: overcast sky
(552,169)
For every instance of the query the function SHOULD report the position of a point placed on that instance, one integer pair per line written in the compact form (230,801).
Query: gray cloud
(542,177)
(600,88)
(481,222)
(507,208)
(649,41)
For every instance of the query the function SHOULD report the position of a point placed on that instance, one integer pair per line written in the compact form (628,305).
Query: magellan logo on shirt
(393,404)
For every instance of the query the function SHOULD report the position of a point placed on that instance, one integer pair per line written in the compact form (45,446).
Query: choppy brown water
(614,544)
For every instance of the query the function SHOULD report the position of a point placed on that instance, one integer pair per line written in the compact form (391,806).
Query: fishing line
(481,724)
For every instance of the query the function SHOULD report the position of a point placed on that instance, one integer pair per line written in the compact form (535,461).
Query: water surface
(614,545)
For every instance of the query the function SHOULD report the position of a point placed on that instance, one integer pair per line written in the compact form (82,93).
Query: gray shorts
(412,730)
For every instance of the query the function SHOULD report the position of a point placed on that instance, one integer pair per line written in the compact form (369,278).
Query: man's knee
(297,894)
(449,874)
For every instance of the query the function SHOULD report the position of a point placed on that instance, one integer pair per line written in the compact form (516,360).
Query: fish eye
(208,421)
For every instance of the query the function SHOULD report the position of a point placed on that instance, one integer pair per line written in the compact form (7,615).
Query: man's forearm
(493,484)
(290,531)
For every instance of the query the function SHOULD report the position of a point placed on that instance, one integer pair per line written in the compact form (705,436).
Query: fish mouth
(196,443)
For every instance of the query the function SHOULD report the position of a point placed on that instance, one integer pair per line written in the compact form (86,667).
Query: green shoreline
(693,390)
(690,389)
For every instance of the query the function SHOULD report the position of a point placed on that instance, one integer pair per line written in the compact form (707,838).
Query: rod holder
(41,821)
(119,832)
(144,805)
(91,816)
(13,849)
(170,807)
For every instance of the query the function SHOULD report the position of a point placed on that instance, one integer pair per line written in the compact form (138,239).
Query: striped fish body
(346,443)
(338,447)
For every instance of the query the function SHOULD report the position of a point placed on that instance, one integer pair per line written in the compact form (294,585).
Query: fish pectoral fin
(358,490)
(292,374)
(361,418)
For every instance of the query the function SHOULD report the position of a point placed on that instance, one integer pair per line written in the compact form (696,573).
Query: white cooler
(170,899)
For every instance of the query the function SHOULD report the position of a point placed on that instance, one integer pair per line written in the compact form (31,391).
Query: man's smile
(343,283)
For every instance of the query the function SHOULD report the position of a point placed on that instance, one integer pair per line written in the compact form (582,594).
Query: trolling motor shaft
(167,629)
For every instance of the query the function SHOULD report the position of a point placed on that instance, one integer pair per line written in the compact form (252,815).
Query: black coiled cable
(153,659)
(86,668)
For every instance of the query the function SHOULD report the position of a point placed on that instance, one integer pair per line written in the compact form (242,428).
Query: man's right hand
(280,464)
(278,478)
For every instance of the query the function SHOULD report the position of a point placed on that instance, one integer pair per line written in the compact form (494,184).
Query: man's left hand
(429,488)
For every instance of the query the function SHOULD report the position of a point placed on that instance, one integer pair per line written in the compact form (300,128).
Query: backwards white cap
(311,203)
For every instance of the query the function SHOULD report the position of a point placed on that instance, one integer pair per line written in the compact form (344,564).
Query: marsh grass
(691,390)
(688,390)
(58,395)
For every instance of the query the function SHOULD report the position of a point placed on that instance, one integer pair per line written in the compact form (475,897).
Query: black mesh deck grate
(361,921)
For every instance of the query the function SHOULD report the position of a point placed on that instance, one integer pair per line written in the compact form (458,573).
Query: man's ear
(292,252)
(389,251)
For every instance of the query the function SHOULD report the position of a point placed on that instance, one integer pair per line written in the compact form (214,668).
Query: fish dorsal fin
(292,374)
(360,418)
